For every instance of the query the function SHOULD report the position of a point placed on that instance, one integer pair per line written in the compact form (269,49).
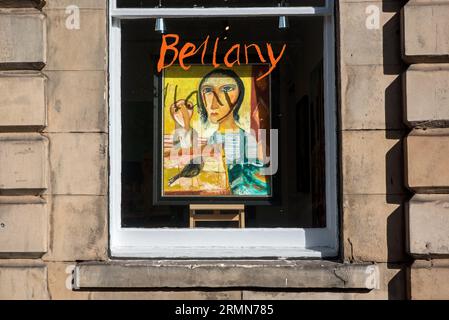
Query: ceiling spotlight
(160,25)
(283,20)
(227,28)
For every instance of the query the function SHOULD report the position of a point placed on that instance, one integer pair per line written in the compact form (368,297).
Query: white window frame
(222,243)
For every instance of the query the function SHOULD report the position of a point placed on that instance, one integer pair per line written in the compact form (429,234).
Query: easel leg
(242,219)
(191,219)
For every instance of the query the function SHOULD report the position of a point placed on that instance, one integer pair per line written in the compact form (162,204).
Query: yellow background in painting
(188,81)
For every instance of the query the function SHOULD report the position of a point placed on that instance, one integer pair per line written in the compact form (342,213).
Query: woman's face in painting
(220,94)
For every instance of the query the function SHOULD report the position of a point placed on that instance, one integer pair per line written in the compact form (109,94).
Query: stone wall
(54,146)
(372,132)
(24,151)
(425,42)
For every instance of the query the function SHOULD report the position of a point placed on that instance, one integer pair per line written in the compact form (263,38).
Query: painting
(214,130)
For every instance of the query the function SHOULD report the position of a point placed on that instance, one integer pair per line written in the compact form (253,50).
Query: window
(291,213)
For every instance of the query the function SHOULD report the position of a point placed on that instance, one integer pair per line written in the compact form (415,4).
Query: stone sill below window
(287,274)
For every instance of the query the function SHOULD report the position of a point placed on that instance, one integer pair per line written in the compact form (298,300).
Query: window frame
(222,243)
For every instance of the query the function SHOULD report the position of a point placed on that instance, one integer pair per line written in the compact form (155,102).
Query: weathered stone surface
(78,163)
(429,279)
(222,274)
(22,100)
(83,4)
(392,287)
(23,282)
(23,159)
(78,228)
(427,154)
(166,295)
(373,228)
(77,49)
(23,39)
(424,31)
(428,224)
(371,99)
(23,226)
(60,278)
(426,95)
(77,101)
(22,3)
(372,162)
(370,46)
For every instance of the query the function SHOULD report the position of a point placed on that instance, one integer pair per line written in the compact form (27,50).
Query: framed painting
(212,135)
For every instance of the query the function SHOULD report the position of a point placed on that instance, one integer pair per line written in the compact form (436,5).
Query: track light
(283,20)
(160,25)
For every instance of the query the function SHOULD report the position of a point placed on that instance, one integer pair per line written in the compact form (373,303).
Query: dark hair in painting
(228,73)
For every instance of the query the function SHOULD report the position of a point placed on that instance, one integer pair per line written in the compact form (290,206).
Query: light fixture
(283,20)
(160,23)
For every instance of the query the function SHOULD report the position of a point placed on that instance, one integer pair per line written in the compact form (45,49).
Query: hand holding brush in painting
(181,112)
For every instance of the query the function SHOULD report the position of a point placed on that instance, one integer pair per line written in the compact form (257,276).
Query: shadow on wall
(396,130)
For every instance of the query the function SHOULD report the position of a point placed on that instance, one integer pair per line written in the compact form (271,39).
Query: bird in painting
(191,170)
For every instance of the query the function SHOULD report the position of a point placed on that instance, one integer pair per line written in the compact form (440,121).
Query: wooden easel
(217,214)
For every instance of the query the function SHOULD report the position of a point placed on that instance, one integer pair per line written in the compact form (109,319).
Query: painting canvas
(215,126)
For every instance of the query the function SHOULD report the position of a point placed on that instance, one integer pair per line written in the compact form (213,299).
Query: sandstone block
(424,31)
(22,4)
(79,228)
(23,159)
(78,163)
(371,99)
(376,45)
(23,282)
(167,295)
(23,226)
(426,95)
(77,49)
(22,100)
(83,4)
(427,153)
(372,162)
(60,280)
(23,38)
(428,224)
(77,101)
(373,228)
(429,279)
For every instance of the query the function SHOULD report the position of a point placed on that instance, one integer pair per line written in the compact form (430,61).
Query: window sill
(225,274)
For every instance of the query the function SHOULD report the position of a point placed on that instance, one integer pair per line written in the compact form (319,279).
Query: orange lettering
(226,61)
(273,60)
(204,49)
(189,49)
(214,54)
(164,48)
(184,53)
(259,53)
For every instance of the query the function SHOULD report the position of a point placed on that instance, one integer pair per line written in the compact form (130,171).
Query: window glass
(295,110)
